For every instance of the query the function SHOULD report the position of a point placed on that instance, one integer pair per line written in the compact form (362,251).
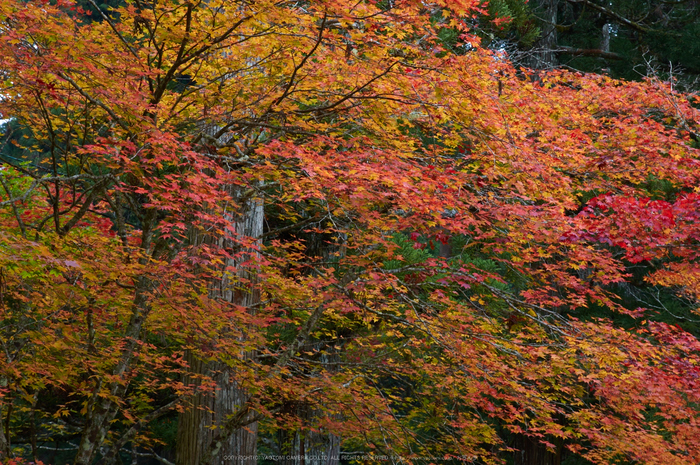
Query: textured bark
(197,425)
(195,431)
(543,54)
(4,440)
(605,41)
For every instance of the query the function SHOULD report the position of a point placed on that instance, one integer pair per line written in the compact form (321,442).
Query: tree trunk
(4,434)
(197,424)
(605,42)
(543,55)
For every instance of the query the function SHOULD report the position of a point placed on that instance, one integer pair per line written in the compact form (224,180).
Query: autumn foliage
(432,229)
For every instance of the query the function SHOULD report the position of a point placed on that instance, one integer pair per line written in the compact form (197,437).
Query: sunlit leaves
(433,224)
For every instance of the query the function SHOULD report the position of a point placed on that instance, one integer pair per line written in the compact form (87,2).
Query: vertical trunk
(197,424)
(4,433)
(605,42)
(4,444)
(32,427)
(543,54)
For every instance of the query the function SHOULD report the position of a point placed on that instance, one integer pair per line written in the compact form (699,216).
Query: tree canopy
(249,225)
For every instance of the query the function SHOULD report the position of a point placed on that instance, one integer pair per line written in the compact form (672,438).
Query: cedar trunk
(207,410)
(544,55)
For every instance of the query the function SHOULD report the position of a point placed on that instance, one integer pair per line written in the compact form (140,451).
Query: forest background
(349,232)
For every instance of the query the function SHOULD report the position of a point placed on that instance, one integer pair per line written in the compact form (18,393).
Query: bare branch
(588,52)
(23,197)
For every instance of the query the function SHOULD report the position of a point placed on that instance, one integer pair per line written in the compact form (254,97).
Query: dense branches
(319,212)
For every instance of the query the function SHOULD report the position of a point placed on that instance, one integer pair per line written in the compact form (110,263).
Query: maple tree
(309,218)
